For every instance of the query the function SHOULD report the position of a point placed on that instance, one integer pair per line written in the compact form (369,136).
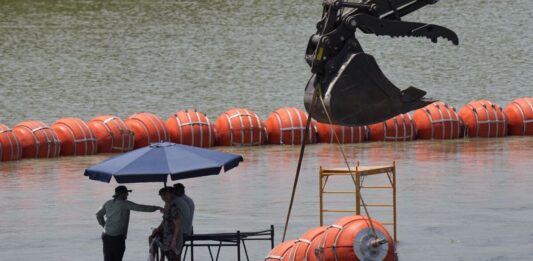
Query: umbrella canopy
(155,162)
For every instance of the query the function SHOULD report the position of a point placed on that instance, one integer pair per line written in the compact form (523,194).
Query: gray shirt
(117,213)
(184,214)
(190,203)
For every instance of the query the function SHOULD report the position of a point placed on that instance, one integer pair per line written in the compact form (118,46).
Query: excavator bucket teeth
(360,94)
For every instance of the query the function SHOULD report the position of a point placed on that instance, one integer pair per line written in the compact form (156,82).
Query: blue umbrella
(155,162)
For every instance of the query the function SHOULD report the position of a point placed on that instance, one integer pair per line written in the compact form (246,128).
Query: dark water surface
(458,200)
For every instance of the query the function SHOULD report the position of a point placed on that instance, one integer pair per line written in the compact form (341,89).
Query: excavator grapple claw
(360,94)
(351,88)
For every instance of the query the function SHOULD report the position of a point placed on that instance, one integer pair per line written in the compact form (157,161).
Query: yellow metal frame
(359,172)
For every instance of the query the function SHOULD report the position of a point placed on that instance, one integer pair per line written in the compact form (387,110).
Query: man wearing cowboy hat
(115,224)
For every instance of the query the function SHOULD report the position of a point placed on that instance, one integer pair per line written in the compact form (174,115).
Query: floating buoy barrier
(399,128)
(437,121)
(346,134)
(483,118)
(37,140)
(352,238)
(287,126)
(240,127)
(302,249)
(112,134)
(519,116)
(191,127)
(281,252)
(10,147)
(147,128)
(75,136)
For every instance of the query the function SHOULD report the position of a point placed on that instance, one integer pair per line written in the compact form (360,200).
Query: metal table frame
(219,240)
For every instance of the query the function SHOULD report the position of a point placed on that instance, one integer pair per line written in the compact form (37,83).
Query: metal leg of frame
(238,245)
(184,253)
(219,248)
(192,249)
(210,253)
(271,236)
(245,250)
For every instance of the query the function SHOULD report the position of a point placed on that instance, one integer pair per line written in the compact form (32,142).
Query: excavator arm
(351,85)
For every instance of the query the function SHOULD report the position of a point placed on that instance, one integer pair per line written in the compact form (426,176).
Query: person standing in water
(170,231)
(180,192)
(115,224)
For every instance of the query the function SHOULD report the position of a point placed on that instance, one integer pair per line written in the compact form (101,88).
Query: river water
(458,200)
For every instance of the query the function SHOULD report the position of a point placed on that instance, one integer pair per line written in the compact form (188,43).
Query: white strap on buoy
(125,132)
(51,140)
(406,136)
(1,148)
(142,125)
(250,116)
(14,144)
(292,128)
(160,126)
(525,121)
(497,121)
(278,118)
(87,139)
(193,123)
(450,119)
(344,129)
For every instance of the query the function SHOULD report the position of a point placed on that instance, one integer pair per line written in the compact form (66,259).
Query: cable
(302,150)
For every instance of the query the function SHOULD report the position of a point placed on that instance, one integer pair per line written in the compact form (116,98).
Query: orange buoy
(399,128)
(519,116)
(346,134)
(352,238)
(75,136)
(240,127)
(112,134)
(483,118)
(281,251)
(287,126)
(10,148)
(191,127)
(37,140)
(302,249)
(437,121)
(147,128)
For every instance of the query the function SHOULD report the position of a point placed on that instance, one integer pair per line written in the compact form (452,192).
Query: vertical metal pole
(357,191)
(238,245)
(192,244)
(271,236)
(394,198)
(320,191)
